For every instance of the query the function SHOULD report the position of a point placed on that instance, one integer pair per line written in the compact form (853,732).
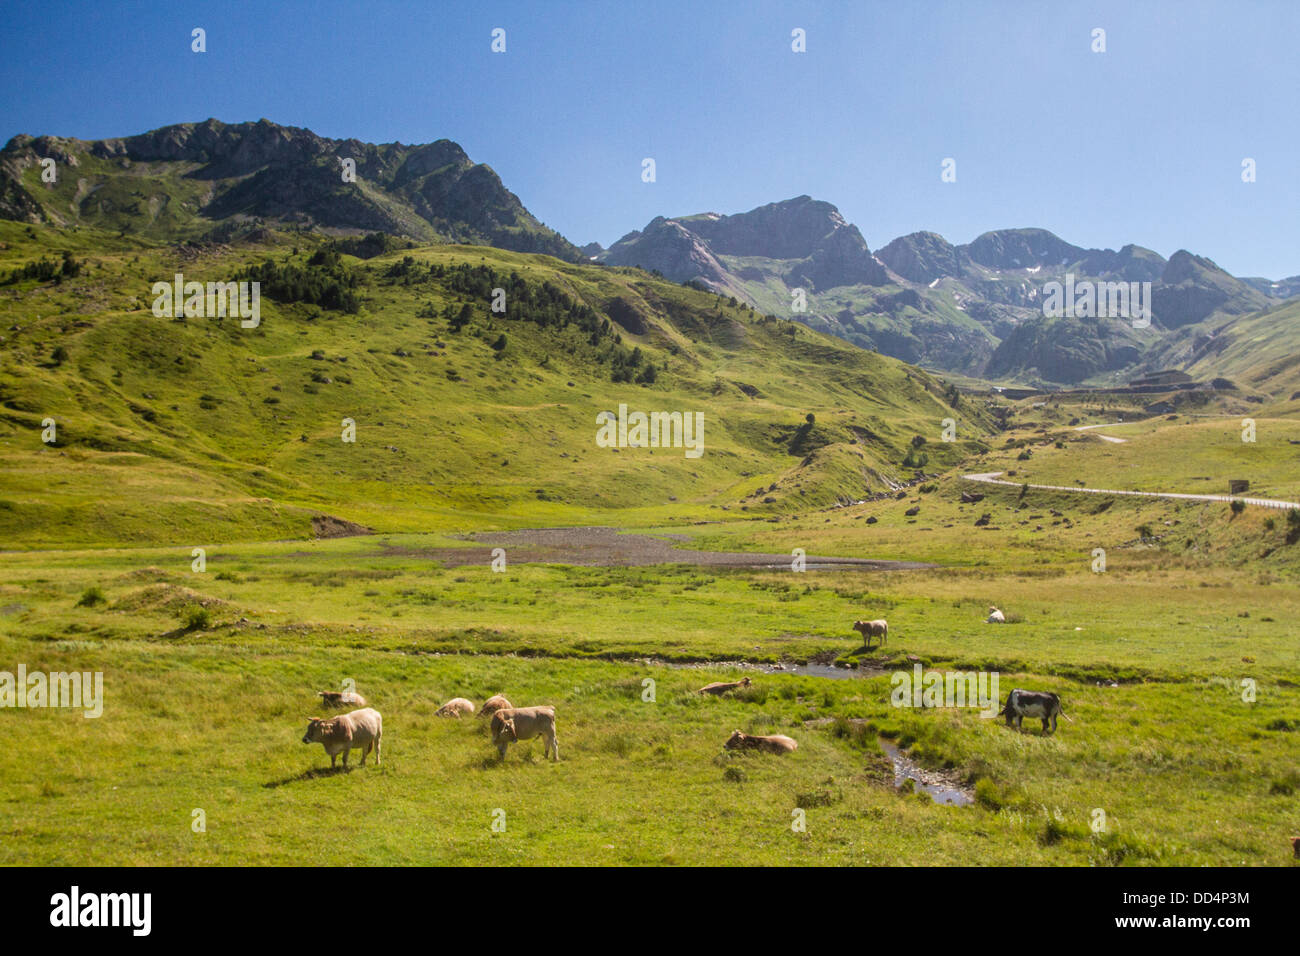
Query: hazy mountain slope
(1067,349)
(179,181)
(1260,352)
(1287,288)
(977,308)
(804,246)
(999,279)
(1193,288)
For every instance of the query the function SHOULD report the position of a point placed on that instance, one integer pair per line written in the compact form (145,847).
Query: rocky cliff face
(923,257)
(999,280)
(1193,288)
(206,172)
(1066,350)
(668,247)
(1021,249)
(810,239)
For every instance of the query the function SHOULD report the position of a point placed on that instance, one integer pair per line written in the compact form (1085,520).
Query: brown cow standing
(869,629)
(525,723)
(361,729)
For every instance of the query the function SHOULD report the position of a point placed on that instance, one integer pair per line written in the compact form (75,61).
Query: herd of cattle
(362,729)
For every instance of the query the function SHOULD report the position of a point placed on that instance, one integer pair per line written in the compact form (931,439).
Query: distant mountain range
(974,309)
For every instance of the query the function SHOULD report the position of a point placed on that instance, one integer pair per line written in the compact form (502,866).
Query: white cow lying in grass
(346,698)
(455,708)
(772,744)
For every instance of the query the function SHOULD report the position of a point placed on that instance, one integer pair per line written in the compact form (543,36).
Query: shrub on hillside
(196,618)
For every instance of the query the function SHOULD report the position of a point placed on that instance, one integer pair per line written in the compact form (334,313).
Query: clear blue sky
(1141,144)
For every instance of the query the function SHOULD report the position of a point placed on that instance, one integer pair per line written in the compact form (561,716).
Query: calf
(347,698)
(869,629)
(455,708)
(361,729)
(774,744)
(525,723)
(1032,703)
(493,704)
(721,687)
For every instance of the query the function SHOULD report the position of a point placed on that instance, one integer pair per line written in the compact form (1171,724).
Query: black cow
(1032,703)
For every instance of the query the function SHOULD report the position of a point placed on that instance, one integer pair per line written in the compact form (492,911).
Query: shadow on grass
(314,774)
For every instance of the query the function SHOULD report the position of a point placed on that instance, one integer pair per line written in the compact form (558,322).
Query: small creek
(811,669)
(927,781)
(940,785)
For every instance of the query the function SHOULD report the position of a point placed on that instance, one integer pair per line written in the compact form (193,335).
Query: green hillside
(198,429)
(1257,351)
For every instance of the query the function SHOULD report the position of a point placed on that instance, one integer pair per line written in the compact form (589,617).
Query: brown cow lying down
(361,729)
(775,744)
(721,687)
(525,723)
(345,698)
(455,708)
(493,704)
(870,629)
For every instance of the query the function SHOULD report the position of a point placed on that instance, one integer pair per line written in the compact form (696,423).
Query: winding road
(1109,438)
(991,478)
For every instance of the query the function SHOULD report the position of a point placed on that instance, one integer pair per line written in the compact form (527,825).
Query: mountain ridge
(974,308)
(284,174)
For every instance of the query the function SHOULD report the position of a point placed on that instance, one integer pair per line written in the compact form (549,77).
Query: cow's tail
(1065,715)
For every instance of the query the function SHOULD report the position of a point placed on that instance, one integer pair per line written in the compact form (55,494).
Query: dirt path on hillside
(1110,438)
(991,478)
(608,547)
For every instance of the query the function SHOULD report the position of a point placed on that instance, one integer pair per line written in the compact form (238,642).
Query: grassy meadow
(1148,658)
(1165,626)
